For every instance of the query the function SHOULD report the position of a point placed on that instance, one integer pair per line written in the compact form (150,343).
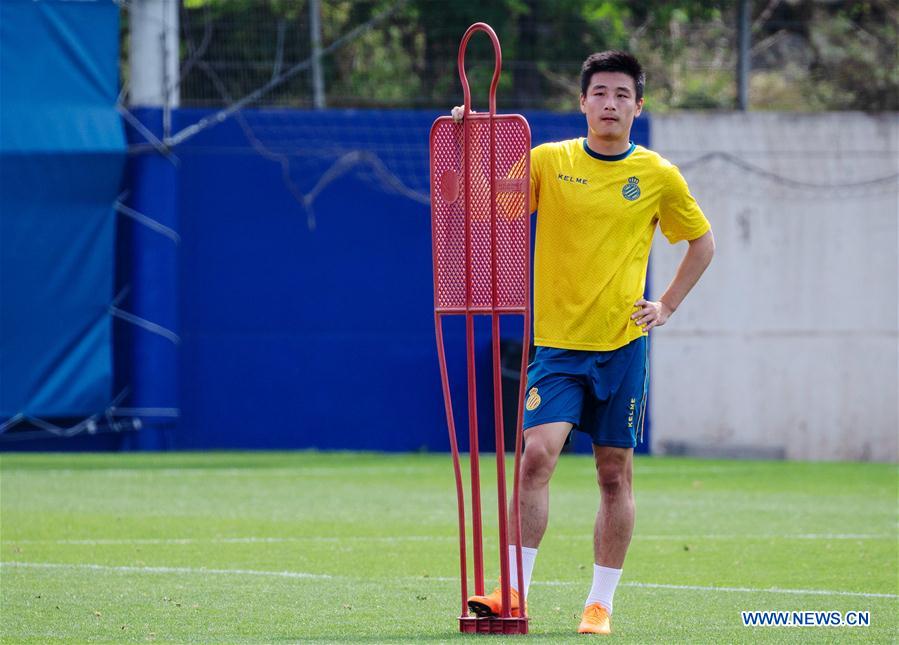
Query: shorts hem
(574,422)
(612,444)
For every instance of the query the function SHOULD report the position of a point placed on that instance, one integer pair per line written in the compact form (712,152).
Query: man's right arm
(458,114)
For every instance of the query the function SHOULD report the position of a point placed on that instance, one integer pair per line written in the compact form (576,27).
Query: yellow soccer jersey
(595,222)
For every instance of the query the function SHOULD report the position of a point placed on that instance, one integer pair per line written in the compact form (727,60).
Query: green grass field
(346,547)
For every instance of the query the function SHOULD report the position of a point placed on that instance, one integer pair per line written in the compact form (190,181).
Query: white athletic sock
(603,590)
(528,555)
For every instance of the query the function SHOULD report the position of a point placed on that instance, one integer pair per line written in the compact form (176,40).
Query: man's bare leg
(543,445)
(614,523)
(615,518)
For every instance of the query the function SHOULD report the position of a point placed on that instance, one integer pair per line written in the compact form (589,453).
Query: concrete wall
(788,346)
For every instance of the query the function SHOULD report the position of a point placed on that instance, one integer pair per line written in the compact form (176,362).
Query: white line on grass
(757,536)
(654,585)
(232,471)
(126,569)
(324,576)
(776,590)
(432,538)
(241,540)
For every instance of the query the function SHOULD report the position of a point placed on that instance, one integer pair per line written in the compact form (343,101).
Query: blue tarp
(62,152)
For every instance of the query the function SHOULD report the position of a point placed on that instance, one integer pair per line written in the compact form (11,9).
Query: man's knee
(539,461)
(537,464)
(613,471)
(614,482)
(542,446)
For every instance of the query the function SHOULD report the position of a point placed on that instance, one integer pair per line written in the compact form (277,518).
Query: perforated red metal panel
(447,215)
(490,203)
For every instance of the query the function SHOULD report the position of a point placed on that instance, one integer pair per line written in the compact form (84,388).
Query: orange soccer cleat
(492,604)
(595,620)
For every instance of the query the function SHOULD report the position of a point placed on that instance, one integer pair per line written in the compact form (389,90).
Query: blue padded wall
(62,151)
(295,336)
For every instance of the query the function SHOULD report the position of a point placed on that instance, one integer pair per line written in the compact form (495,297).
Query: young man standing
(599,200)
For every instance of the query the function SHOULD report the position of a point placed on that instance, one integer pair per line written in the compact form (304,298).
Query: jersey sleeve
(536,157)
(510,203)
(680,217)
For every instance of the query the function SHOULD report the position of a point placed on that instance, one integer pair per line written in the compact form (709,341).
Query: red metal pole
(519,438)
(457,469)
(477,545)
(477,540)
(498,383)
(522,386)
(501,498)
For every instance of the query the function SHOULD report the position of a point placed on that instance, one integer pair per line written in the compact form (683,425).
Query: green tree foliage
(827,55)
(805,54)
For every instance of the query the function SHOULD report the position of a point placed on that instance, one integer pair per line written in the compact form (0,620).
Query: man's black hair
(613,61)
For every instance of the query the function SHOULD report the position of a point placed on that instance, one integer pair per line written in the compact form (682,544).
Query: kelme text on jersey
(573,180)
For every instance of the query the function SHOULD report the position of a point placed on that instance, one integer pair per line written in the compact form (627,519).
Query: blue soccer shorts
(601,393)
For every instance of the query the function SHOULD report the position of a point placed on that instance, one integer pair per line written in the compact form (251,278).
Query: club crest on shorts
(533,399)
(631,190)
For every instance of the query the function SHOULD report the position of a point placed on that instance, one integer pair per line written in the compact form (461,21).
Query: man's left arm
(650,313)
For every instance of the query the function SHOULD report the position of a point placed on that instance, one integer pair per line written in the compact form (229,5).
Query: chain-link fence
(804,55)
